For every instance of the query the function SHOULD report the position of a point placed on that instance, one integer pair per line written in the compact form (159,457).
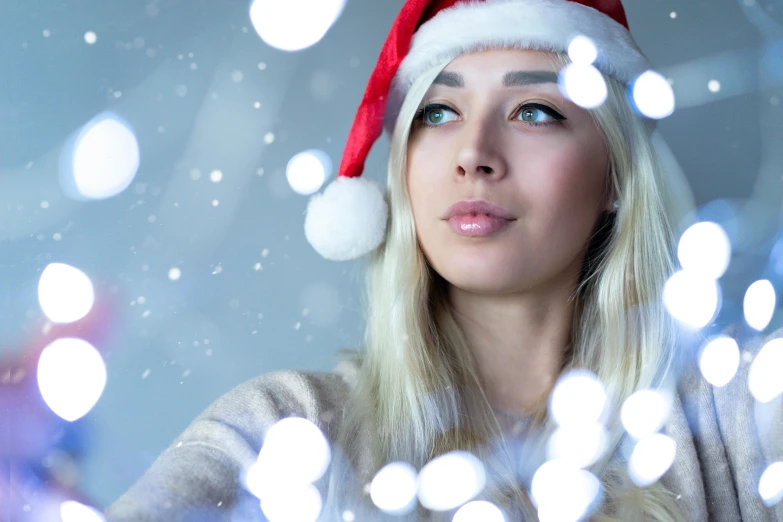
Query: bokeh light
(705,249)
(563,493)
(479,511)
(729,216)
(301,503)
(71,377)
(294,24)
(759,304)
(393,489)
(295,453)
(104,159)
(578,399)
(584,85)
(719,361)
(653,96)
(764,377)
(450,480)
(582,50)
(65,293)
(307,171)
(651,458)
(644,413)
(580,446)
(72,511)
(771,484)
(691,298)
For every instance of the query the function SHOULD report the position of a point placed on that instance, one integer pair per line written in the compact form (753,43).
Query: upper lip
(477,206)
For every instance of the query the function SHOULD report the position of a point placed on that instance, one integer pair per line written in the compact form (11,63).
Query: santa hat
(349,219)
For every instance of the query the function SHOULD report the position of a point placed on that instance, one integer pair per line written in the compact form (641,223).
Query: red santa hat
(349,219)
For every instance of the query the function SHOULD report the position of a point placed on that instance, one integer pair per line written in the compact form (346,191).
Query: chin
(484,280)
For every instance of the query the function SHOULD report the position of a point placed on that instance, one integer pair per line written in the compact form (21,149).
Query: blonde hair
(418,394)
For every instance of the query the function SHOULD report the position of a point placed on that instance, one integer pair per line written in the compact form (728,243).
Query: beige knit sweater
(724,441)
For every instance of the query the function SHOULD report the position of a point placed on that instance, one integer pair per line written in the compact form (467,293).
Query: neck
(519,342)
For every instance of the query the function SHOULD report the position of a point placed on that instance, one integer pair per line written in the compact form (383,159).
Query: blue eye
(529,114)
(436,114)
(531,110)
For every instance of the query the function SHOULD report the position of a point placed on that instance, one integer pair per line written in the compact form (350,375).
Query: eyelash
(543,108)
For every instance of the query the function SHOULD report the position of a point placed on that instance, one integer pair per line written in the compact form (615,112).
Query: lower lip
(479,225)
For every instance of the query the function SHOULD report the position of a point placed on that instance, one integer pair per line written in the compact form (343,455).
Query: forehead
(500,67)
(495,57)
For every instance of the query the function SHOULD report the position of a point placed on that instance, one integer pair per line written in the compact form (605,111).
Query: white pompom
(348,220)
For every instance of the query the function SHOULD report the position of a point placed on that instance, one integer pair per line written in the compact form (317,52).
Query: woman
(475,312)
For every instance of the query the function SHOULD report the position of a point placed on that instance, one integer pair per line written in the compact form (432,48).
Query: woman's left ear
(610,204)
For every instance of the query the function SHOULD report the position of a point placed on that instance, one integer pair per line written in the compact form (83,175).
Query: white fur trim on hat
(545,25)
(348,220)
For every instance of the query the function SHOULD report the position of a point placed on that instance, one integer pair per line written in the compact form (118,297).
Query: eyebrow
(510,79)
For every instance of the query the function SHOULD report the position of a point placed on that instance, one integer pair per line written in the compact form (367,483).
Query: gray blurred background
(202,91)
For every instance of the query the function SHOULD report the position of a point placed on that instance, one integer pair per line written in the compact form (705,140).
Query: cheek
(423,181)
(426,180)
(564,200)
(572,181)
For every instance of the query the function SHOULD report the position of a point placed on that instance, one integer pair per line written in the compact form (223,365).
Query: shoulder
(691,384)
(747,424)
(732,405)
(203,467)
(726,436)
(252,407)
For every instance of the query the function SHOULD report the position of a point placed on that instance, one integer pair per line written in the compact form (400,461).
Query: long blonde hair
(418,394)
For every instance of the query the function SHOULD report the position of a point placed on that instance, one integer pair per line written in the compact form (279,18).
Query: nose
(479,150)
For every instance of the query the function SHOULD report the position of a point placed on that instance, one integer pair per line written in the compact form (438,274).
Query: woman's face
(480,141)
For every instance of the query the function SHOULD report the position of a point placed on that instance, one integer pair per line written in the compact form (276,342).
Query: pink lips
(477,217)
(477,225)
